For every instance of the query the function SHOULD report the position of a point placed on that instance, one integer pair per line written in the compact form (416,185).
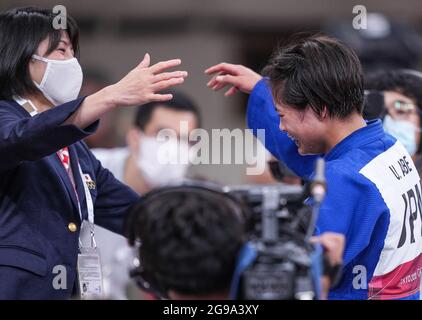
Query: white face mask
(159,161)
(403,131)
(62,80)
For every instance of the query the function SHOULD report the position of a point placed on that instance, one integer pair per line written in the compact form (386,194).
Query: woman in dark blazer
(49,180)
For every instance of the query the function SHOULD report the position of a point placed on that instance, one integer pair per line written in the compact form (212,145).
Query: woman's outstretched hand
(140,86)
(143,84)
(235,75)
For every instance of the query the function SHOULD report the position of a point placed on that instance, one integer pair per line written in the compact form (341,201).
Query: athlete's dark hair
(317,72)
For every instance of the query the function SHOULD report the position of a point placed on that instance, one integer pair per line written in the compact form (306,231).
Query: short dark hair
(21,32)
(404,81)
(189,238)
(317,71)
(180,102)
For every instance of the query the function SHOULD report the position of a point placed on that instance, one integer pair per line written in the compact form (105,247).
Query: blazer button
(72,227)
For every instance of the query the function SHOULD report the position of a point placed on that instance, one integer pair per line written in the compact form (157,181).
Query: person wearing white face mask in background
(49,179)
(399,103)
(138,166)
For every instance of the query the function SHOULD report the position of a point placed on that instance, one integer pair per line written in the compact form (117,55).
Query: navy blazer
(38,205)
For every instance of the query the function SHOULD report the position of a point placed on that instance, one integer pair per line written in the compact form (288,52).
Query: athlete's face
(305,128)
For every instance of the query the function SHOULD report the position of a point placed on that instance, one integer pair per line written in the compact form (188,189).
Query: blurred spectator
(401,111)
(137,166)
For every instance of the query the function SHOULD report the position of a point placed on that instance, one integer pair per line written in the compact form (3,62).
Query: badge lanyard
(90,207)
(89,263)
(24,102)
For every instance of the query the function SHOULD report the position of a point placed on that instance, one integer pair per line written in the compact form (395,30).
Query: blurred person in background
(136,165)
(400,106)
(49,180)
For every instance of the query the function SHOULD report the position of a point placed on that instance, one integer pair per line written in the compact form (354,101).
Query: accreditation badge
(90,275)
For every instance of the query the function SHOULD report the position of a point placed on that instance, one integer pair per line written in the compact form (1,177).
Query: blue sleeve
(32,138)
(261,114)
(352,206)
(114,199)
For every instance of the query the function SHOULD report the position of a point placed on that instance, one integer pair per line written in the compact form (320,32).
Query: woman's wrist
(105,97)
(93,107)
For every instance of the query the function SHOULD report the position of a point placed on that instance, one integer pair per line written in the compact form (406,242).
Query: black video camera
(281,220)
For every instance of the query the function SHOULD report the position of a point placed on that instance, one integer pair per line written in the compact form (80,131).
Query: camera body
(279,220)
